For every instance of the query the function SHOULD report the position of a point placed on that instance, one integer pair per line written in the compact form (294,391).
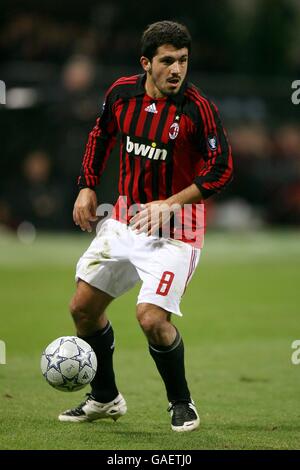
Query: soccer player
(173,154)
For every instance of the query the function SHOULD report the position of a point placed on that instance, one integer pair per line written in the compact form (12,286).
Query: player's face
(166,72)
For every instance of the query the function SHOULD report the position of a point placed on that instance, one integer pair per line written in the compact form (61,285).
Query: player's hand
(152,217)
(85,207)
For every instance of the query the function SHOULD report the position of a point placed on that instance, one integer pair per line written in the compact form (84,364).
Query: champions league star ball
(68,363)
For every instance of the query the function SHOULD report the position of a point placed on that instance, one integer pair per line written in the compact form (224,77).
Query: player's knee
(85,316)
(147,320)
(74,307)
(147,324)
(78,310)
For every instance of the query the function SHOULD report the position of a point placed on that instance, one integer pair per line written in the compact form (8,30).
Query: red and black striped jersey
(166,144)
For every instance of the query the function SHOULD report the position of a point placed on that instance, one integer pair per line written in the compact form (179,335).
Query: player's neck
(152,91)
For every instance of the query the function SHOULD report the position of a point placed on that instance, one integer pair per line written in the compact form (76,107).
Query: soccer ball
(68,363)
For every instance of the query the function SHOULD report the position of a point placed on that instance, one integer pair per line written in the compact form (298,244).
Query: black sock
(169,361)
(104,387)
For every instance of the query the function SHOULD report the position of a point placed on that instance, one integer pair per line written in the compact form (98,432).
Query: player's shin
(169,361)
(104,387)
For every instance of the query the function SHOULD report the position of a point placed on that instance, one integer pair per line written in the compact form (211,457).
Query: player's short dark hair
(164,32)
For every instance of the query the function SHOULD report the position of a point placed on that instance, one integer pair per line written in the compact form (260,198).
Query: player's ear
(145,63)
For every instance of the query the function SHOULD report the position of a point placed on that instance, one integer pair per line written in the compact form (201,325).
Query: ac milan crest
(174,130)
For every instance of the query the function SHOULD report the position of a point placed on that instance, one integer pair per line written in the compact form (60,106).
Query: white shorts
(118,258)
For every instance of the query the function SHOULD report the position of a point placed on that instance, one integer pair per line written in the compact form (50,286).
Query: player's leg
(102,273)
(88,311)
(87,308)
(167,349)
(166,267)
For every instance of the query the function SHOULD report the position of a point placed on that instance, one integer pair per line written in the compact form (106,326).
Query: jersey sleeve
(101,141)
(212,142)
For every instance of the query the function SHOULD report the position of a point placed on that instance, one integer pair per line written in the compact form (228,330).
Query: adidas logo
(151,108)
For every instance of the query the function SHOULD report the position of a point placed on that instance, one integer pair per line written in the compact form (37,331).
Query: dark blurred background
(58,58)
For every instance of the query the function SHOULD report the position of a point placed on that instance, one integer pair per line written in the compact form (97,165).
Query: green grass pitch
(241,315)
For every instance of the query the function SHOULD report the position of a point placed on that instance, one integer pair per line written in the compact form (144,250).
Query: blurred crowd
(239,36)
(58,61)
(266,185)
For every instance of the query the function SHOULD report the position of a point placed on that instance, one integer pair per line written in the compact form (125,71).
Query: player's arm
(211,139)
(188,195)
(85,208)
(100,143)
(157,213)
